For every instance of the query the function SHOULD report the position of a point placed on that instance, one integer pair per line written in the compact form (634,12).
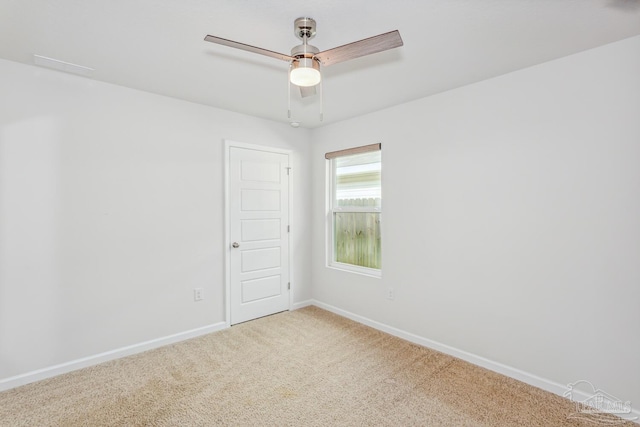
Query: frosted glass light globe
(305,72)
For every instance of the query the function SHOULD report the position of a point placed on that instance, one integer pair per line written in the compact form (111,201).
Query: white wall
(111,212)
(511,219)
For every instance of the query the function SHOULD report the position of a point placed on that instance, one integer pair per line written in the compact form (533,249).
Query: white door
(259,233)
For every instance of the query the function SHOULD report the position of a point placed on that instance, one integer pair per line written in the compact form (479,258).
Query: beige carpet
(303,368)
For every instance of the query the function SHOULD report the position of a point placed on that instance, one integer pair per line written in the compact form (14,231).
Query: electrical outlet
(391,293)
(197,294)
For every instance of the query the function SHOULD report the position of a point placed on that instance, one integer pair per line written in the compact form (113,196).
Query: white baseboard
(302,304)
(63,368)
(509,371)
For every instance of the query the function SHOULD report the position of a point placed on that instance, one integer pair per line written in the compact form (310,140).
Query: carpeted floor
(303,368)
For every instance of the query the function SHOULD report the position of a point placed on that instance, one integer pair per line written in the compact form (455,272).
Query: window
(355,201)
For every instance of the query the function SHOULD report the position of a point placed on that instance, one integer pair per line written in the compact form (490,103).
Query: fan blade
(248,48)
(306,91)
(360,48)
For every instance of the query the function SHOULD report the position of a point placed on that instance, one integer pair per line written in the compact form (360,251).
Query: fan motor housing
(304,51)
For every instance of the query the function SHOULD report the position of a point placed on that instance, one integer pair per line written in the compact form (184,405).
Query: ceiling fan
(305,60)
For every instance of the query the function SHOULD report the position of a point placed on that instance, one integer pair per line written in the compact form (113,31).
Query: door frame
(228,144)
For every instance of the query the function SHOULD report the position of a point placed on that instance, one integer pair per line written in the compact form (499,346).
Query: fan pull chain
(289,90)
(321,102)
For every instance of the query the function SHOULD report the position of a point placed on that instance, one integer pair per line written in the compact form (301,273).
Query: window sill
(349,268)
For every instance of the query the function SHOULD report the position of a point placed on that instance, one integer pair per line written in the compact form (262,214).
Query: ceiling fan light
(305,72)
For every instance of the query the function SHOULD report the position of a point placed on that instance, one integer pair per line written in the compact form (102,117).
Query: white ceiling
(157,45)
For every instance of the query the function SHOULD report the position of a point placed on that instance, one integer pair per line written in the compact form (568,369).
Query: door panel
(260,259)
(264,287)
(258,221)
(260,200)
(260,229)
(260,171)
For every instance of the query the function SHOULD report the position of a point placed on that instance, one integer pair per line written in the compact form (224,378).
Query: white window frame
(331,210)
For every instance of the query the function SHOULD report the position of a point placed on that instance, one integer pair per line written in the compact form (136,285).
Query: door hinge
(289,285)
(288,170)
(288,229)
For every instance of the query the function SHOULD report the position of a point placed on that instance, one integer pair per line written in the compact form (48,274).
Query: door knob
(236,245)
